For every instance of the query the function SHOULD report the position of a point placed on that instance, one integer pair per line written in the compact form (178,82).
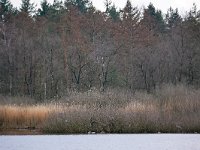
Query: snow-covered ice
(102,142)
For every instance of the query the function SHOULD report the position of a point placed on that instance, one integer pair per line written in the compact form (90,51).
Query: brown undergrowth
(171,109)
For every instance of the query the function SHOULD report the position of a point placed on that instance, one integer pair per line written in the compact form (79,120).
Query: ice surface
(102,142)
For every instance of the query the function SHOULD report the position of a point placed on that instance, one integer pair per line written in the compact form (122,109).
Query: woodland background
(70,46)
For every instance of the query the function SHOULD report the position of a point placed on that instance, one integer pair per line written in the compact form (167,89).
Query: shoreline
(20,132)
(16,132)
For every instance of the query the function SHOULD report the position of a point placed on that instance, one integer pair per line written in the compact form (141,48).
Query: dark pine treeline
(72,46)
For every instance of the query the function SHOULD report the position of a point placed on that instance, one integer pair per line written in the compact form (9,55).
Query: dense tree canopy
(72,46)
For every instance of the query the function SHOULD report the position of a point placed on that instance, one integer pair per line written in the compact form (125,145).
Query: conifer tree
(81,5)
(5,8)
(27,7)
(45,7)
(172,17)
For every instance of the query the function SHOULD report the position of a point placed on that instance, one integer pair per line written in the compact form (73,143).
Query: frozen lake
(102,142)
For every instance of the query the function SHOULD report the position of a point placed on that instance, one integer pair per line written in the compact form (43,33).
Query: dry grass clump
(169,109)
(16,116)
(179,105)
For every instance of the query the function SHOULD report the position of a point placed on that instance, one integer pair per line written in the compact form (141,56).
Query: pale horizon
(182,5)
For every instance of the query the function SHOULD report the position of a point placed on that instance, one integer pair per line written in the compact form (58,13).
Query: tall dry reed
(169,109)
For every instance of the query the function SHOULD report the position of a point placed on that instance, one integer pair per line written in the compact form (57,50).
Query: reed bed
(14,116)
(170,109)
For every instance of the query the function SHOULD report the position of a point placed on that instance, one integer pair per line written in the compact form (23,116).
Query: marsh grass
(170,109)
(14,116)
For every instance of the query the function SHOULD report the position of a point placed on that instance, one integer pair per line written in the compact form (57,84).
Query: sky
(182,5)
